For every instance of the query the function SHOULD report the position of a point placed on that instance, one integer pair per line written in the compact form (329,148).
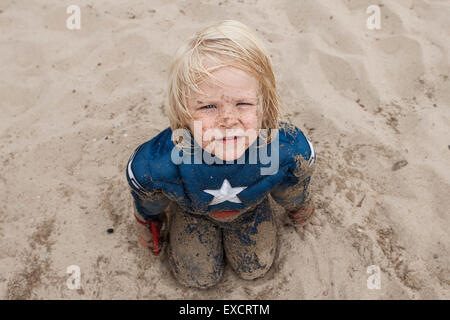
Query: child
(208,173)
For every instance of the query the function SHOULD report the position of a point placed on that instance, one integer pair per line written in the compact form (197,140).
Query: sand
(375,103)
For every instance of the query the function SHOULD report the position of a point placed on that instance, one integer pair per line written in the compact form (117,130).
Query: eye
(209,106)
(244,103)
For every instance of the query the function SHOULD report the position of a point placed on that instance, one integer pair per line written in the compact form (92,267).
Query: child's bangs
(228,43)
(204,61)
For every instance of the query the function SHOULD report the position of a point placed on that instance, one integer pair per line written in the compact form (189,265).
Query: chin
(230,154)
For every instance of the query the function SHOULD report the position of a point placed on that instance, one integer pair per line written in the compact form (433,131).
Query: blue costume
(197,190)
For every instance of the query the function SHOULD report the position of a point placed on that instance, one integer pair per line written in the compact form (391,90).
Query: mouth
(231,139)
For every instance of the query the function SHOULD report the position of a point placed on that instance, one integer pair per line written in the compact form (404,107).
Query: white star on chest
(225,193)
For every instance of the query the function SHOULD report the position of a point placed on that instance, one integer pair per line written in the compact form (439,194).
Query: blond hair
(226,43)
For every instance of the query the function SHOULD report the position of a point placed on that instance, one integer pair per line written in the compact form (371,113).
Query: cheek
(206,121)
(252,119)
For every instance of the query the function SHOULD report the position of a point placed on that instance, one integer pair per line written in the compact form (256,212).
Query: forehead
(228,83)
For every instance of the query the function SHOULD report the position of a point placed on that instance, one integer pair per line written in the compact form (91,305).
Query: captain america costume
(197,187)
(199,191)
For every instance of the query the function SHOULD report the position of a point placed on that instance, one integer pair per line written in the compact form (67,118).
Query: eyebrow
(213,100)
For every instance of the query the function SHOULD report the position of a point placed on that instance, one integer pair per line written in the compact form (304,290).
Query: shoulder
(151,161)
(293,142)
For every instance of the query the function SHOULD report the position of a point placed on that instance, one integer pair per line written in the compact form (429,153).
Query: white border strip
(130,171)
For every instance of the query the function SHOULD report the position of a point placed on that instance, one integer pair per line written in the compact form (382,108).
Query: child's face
(230,113)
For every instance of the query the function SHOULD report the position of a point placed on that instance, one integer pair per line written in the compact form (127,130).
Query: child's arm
(293,193)
(296,199)
(149,203)
(149,222)
(149,233)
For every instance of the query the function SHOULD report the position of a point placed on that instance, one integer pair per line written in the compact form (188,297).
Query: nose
(227,116)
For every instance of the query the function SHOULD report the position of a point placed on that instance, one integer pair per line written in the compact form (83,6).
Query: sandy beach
(375,103)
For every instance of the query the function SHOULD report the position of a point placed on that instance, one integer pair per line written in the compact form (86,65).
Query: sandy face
(226,118)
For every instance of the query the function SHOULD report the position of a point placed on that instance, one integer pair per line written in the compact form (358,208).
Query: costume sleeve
(293,192)
(149,201)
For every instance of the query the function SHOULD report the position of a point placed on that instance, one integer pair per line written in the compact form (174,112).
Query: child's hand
(302,219)
(149,235)
(145,237)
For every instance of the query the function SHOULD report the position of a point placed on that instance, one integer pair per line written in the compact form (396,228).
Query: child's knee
(197,274)
(253,274)
(195,251)
(250,249)
(252,266)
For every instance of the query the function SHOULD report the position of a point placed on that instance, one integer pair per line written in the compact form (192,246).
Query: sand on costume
(374,103)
